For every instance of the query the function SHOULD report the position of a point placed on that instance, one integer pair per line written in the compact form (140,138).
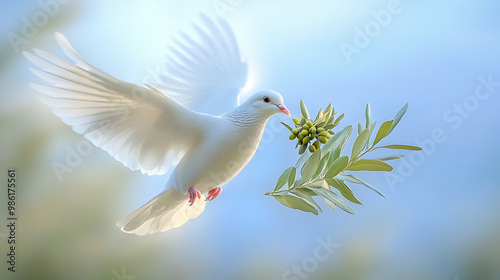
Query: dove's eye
(266,99)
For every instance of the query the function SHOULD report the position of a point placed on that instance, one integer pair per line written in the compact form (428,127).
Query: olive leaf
(343,188)
(368,116)
(352,179)
(310,166)
(386,158)
(360,143)
(303,110)
(321,165)
(295,202)
(402,147)
(283,179)
(287,126)
(337,166)
(369,165)
(398,117)
(334,198)
(383,131)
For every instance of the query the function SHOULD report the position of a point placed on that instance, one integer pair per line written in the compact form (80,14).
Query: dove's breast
(221,156)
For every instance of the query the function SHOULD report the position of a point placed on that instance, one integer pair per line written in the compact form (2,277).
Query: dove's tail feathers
(170,209)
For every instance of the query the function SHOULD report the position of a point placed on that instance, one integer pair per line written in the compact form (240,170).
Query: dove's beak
(284,109)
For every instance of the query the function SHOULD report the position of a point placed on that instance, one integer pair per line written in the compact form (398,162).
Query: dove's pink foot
(193,195)
(213,193)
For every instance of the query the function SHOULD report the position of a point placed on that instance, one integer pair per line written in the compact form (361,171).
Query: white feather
(205,72)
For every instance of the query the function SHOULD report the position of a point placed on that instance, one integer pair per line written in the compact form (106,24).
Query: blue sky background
(442,222)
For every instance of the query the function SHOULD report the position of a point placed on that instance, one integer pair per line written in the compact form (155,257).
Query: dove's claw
(193,194)
(213,193)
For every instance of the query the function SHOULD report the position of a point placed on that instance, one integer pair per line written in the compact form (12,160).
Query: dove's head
(267,103)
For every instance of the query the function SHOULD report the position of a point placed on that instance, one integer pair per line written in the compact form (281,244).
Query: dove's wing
(205,72)
(140,127)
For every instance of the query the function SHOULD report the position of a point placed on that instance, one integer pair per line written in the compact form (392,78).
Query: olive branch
(325,168)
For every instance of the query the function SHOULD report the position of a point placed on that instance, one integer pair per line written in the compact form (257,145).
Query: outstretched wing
(205,72)
(140,127)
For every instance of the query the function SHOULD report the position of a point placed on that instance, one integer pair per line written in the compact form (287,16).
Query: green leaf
(360,128)
(324,185)
(295,202)
(302,149)
(300,162)
(352,179)
(337,121)
(310,166)
(307,196)
(303,110)
(283,179)
(306,190)
(343,188)
(386,158)
(372,127)
(329,126)
(291,177)
(382,132)
(338,139)
(287,126)
(319,116)
(328,109)
(321,165)
(334,198)
(401,147)
(369,165)
(368,114)
(360,143)
(337,166)
(398,117)
(335,155)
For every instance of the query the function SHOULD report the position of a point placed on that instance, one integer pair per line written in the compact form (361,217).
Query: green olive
(292,136)
(312,149)
(313,135)
(300,136)
(296,121)
(328,136)
(304,132)
(323,133)
(316,144)
(322,139)
(295,131)
(306,140)
(305,127)
(319,130)
(312,129)
(310,124)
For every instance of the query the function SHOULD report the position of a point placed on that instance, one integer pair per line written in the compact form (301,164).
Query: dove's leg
(213,193)
(193,194)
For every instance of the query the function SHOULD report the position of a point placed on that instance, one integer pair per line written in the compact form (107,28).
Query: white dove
(151,130)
